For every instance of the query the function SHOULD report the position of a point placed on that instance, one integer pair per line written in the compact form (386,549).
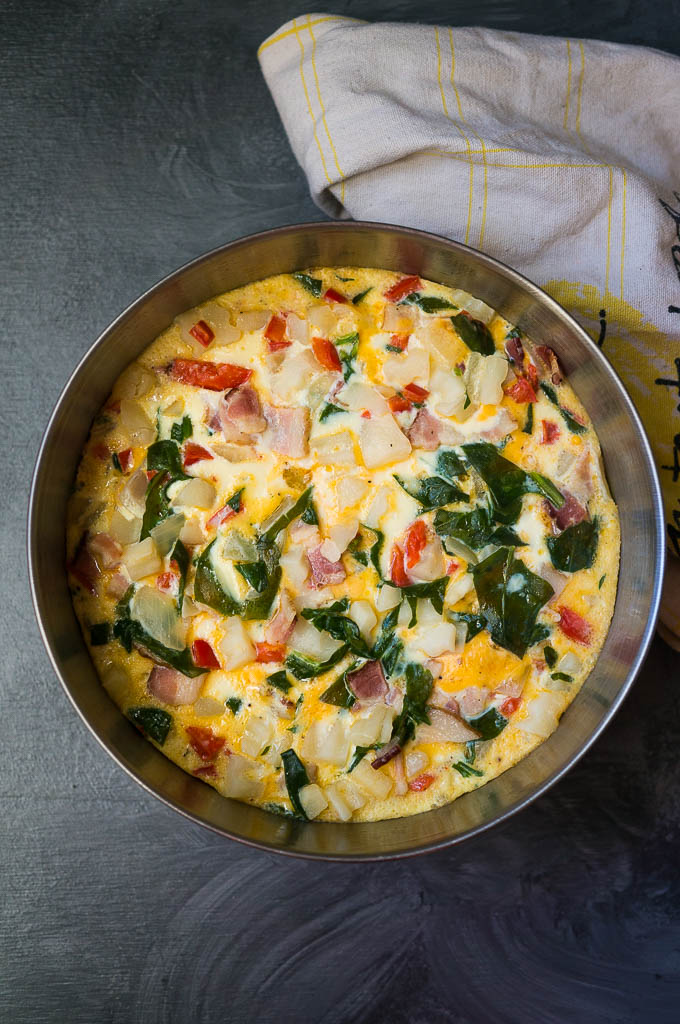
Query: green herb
(234,704)
(165,456)
(235,501)
(414,712)
(528,427)
(601,581)
(279,809)
(341,278)
(470,751)
(329,410)
(209,590)
(506,481)
(572,423)
(180,556)
(303,667)
(550,655)
(157,504)
(467,401)
(366,548)
(254,573)
(432,492)
(465,769)
(182,429)
(575,547)
(296,779)
(489,724)
(312,284)
(433,591)
(510,598)
(475,529)
(293,728)
(153,722)
(547,489)
(428,303)
(331,620)
(348,348)
(562,676)
(474,333)
(539,633)
(131,634)
(388,647)
(360,754)
(116,462)
(287,517)
(449,465)
(309,515)
(100,634)
(362,295)
(394,348)
(475,623)
(339,693)
(279,680)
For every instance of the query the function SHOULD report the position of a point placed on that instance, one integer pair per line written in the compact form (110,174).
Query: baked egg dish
(341,544)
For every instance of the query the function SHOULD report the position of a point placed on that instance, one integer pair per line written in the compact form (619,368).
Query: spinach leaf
(562,676)
(475,623)
(296,779)
(470,751)
(366,549)
(433,591)
(550,655)
(165,456)
(303,667)
(329,410)
(474,333)
(465,770)
(153,722)
(209,590)
(449,465)
(414,712)
(286,518)
(475,529)
(182,429)
(339,693)
(528,427)
(432,492)
(280,680)
(157,504)
(116,462)
(254,573)
(131,634)
(428,303)
(362,295)
(572,423)
(575,547)
(601,581)
(312,284)
(100,634)
(180,556)
(310,515)
(331,620)
(510,598)
(547,489)
(489,724)
(359,754)
(506,481)
(388,647)
(234,704)
(539,633)
(348,348)
(235,501)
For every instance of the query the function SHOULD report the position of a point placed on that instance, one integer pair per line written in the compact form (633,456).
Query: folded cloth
(558,156)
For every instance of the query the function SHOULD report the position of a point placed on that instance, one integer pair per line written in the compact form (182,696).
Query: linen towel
(560,157)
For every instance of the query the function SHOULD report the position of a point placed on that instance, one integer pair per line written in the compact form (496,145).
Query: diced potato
(125,527)
(208,707)
(253,320)
(362,613)
(322,319)
(351,794)
(436,640)
(135,422)
(335,449)
(256,736)
(196,493)
(297,328)
(311,642)
(397,319)
(242,779)
(192,533)
(484,376)
(373,781)
(343,533)
(385,733)
(235,646)
(350,490)
(134,382)
(115,681)
(438,338)
(415,763)
(133,493)
(357,397)
(387,598)
(296,565)
(541,714)
(382,442)
(413,367)
(457,590)
(313,801)
(430,565)
(296,373)
(378,507)
(142,559)
(337,803)
(326,740)
(366,729)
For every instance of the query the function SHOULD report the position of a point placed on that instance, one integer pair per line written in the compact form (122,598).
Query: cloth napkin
(558,156)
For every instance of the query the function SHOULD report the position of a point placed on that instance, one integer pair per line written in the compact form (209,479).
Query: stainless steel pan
(629,467)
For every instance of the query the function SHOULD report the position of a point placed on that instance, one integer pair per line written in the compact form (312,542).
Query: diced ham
(240,415)
(504,426)
(569,514)
(425,431)
(515,351)
(472,700)
(288,430)
(511,687)
(83,567)
(368,682)
(117,585)
(280,626)
(324,572)
(549,360)
(550,431)
(171,687)
(386,753)
(105,550)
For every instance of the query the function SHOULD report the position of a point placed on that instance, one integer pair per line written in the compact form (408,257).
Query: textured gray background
(135,136)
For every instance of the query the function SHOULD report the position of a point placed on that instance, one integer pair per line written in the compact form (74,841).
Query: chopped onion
(323,319)
(192,533)
(166,533)
(475,307)
(279,511)
(297,328)
(362,613)
(235,646)
(196,493)
(397,319)
(458,588)
(413,367)
(320,387)
(382,442)
(254,320)
(133,493)
(376,783)
(134,382)
(541,715)
(404,616)
(135,422)
(335,449)
(444,728)
(141,559)
(435,667)
(387,598)
(338,805)
(350,490)
(157,615)
(357,397)
(415,763)
(125,528)
(242,779)
(426,612)
(208,707)
(310,642)
(436,640)
(189,608)
(175,408)
(378,507)
(256,736)
(569,663)
(312,800)
(219,319)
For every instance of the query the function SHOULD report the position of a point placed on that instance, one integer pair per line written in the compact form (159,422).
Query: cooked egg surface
(341,544)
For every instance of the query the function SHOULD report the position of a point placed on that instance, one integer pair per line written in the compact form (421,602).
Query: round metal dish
(630,470)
